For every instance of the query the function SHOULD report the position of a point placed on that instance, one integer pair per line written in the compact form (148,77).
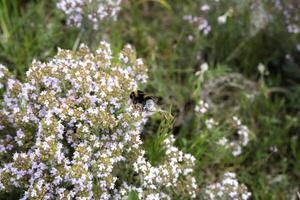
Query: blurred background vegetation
(254,33)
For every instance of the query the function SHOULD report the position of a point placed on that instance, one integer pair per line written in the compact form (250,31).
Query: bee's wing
(153,98)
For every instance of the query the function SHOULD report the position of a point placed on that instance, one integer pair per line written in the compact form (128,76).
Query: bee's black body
(139,97)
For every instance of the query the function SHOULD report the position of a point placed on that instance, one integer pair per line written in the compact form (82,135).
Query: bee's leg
(140,107)
(136,106)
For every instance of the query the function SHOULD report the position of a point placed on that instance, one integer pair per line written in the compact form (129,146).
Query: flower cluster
(210,123)
(199,22)
(4,75)
(176,166)
(74,133)
(241,138)
(92,11)
(259,15)
(233,142)
(290,12)
(202,107)
(227,188)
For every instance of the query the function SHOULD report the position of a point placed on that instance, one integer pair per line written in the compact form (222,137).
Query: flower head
(92,11)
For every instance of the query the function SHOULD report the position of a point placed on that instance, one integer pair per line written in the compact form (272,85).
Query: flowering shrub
(214,27)
(259,14)
(241,140)
(74,134)
(233,141)
(227,188)
(290,13)
(92,11)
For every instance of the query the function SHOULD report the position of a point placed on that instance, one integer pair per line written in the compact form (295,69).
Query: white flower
(222,19)
(190,38)
(205,7)
(261,68)
(223,141)
(210,123)
(204,67)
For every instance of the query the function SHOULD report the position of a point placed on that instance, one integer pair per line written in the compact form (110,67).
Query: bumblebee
(139,97)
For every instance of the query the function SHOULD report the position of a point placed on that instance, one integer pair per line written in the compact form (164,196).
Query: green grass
(35,29)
